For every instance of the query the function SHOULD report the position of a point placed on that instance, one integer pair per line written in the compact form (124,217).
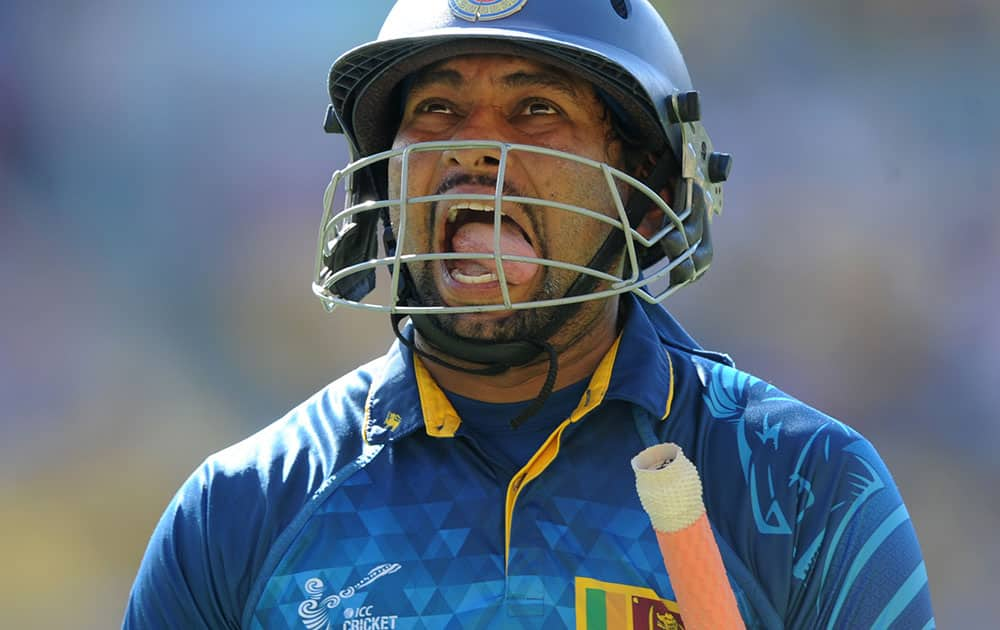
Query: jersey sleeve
(181,583)
(818,530)
(857,560)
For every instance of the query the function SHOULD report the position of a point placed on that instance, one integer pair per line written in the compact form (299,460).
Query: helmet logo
(482,10)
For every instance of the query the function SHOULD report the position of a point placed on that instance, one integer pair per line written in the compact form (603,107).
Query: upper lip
(448,208)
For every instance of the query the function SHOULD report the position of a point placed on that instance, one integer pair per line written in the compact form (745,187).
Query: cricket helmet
(622,47)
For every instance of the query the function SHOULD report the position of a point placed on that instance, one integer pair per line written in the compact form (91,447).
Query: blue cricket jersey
(370,507)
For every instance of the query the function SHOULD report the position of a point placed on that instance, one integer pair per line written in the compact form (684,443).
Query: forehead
(507,70)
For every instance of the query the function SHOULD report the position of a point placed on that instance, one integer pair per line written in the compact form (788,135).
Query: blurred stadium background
(161,170)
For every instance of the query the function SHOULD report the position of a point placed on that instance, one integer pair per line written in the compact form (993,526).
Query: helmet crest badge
(482,10)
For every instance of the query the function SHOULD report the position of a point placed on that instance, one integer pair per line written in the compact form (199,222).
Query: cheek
(395,168)
(420,170)
(558,179)
(571,235)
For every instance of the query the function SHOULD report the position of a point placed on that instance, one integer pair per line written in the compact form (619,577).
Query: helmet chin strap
(498,357)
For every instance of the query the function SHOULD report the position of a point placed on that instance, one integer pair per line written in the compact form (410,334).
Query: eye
(539,108)
(435,107)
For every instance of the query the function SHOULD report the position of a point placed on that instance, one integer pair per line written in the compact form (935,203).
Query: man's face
(508,99)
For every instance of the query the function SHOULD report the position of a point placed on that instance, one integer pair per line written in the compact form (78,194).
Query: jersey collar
(637,369)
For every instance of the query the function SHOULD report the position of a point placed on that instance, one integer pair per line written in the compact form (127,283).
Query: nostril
(471,158)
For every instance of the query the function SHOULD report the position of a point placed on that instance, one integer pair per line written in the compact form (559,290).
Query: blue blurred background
(161,171)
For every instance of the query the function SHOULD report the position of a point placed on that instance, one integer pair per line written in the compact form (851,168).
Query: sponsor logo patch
(609,606)
(482,10)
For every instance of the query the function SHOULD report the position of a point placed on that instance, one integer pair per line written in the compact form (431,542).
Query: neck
(579,354)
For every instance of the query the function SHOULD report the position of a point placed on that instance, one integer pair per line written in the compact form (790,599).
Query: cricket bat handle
(670,492)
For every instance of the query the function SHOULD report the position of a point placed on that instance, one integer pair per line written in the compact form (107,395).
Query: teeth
(466,279)
(469,205)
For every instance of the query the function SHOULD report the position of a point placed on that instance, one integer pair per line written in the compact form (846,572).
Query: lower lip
(457,293)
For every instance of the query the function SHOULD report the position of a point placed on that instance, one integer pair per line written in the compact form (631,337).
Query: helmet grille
(621,8)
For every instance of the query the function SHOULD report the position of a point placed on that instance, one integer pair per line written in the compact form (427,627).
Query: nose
(482,123)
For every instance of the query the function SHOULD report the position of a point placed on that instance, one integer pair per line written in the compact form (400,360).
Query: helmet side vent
(621,7)
(344,83)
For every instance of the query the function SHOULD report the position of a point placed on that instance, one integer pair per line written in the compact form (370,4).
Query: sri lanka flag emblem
(607,606)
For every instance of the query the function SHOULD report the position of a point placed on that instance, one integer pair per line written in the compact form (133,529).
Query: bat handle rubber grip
(670,491)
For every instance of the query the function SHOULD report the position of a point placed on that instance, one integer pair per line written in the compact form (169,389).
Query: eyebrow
(521,79)
(448,78)
(540,79)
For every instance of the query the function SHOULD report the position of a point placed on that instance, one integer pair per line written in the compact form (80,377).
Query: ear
(653,220)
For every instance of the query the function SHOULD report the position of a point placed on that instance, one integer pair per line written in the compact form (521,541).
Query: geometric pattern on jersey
(443,529)
(308,525)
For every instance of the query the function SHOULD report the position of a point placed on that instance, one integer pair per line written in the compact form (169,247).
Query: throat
(489,423)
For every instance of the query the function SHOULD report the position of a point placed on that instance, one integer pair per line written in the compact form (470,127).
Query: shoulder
(314,436)
(262,482)
(216,534)
(807,513)
(803,500)
(768,423)
(783,450)
(734,421)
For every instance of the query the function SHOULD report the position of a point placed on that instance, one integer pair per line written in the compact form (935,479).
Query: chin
(496,326)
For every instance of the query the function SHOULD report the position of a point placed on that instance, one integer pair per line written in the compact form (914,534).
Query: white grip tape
(669,487)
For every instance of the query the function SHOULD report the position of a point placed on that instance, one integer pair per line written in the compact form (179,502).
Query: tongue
(477,238)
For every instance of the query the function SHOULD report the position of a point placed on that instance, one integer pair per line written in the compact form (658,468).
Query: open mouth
(469,229)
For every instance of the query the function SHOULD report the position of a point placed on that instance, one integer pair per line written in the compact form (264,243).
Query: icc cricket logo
(482,10)
(315,611)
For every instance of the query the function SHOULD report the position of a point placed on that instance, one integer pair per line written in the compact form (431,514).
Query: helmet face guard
(625,50)
(347,259)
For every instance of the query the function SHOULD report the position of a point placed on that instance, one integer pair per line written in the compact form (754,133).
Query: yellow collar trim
(442,421)
(368,416)
(670,392)
(440,418)
(545,455)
